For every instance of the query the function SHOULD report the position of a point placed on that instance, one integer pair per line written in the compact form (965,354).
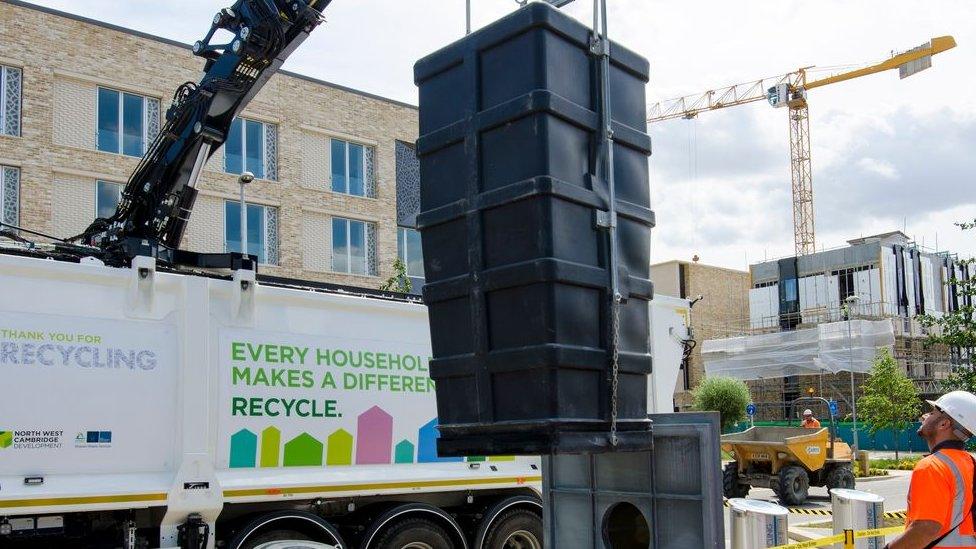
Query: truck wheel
(516,529)
(280,535)
(794,484)
(731,486)
(841,476)
(414,533)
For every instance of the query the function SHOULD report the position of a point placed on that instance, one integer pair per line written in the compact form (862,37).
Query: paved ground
(893,488)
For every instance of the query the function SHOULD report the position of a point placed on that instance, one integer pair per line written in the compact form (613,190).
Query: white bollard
(856,510)
(756,524)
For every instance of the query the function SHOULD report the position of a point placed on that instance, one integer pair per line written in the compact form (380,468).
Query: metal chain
(614,367)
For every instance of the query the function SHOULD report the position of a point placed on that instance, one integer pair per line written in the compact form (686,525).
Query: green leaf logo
(6,439)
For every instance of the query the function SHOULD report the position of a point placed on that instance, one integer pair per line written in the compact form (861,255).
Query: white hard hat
(808,412)
(961,407)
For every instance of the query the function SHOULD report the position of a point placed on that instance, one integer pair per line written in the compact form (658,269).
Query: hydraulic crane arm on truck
(158,199)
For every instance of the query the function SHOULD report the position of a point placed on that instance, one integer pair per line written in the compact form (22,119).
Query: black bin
(517,269)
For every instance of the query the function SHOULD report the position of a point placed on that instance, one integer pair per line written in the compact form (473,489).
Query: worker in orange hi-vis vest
(809,422)
(941,496)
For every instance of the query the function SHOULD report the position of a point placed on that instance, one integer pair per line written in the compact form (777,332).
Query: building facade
(82,99)
(884,277)
(724,301)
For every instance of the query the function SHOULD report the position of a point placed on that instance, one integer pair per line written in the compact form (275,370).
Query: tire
(731,486)
(275,535)
(414,533)
(841,476)
(515,529)
(794,485)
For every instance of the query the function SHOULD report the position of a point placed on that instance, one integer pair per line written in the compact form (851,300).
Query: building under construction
(816,318)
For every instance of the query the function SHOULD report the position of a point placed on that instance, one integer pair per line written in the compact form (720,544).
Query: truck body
(184,407)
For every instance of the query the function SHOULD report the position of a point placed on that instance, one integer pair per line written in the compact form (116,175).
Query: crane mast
(158,199)
(790,90)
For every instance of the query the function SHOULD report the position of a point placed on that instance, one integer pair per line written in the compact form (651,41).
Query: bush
(724,395)
(903,464)
(872,472)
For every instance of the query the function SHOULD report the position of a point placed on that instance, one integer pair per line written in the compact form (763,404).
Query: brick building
(725,301)
(82,99)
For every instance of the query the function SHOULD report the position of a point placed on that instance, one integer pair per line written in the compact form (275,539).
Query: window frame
(403,252)
(369,267)
(264,149)
(4,70)
(144,121)
(367,185)
(107,182)
(266,248)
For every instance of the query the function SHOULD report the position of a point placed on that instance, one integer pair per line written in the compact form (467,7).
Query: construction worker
(941,496)
(809,422)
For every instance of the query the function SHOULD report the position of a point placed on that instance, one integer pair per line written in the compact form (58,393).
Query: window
(353,247)
(107,196)
(262,231)
(252,147)
(127,122)
(10,97)
(352,169)
(411,252)
(9,195)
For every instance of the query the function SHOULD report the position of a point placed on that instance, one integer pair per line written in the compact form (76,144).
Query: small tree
(725,395)
(957,330)
(399,282)
(890,399)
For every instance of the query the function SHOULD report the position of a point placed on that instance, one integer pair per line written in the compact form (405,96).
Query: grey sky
(887,154)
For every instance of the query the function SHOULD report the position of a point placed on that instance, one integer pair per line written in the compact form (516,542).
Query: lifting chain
(614,366)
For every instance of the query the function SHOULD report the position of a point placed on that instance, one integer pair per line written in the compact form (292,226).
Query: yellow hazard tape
(828,512)
(847,538)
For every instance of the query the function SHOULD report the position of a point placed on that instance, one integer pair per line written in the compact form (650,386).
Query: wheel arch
(499,508)
(302,521)
(422,510)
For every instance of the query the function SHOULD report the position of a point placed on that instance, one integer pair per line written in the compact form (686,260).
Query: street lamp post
(848,306)
(244,179)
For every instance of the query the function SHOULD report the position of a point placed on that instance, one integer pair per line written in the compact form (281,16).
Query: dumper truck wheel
(731,486)
(414,533)
(841,476)
(516,529)
(794,484)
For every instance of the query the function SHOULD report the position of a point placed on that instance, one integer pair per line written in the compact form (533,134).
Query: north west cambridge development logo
(31,440)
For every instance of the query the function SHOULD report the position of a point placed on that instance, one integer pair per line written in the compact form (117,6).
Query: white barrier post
(756,524)
(856,510)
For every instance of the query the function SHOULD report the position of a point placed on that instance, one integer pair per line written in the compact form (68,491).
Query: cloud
(881,168)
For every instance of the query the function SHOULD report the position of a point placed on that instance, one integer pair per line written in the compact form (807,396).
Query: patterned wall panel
(408,184)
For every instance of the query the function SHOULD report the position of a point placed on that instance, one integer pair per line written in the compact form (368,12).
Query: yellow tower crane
(790,90)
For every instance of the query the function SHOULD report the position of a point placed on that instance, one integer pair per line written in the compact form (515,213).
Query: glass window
(9,195)
(262,238)
(107,197)
(411,252)
(10,100)
(125,122)
(248,148)
(352,168)
(353,246)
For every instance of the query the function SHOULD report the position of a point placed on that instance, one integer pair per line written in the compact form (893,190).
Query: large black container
(516,267)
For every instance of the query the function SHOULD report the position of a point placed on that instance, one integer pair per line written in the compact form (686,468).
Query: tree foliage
(890,400)
(399,282)
(724,395)
(957,330)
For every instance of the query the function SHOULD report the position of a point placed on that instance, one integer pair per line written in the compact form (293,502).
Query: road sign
(751,410)
(832,405)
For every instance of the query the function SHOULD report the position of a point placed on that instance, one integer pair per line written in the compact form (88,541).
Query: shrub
(724,395)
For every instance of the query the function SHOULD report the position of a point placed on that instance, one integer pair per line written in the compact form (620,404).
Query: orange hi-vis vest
(941,491)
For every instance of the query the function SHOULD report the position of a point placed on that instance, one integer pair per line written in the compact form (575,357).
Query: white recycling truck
(142,408)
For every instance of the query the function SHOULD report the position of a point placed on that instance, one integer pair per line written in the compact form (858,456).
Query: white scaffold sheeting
(806,351)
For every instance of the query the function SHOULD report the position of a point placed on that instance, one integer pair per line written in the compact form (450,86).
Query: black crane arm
(158,199)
